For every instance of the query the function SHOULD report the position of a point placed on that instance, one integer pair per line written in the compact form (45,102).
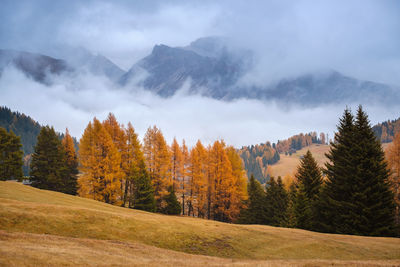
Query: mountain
(83,61)
(211,67)
(215,70)
(35,66)
(327,87)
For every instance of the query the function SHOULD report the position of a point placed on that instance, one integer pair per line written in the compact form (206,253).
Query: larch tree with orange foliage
(158,160)
(393,157)
(100,165)
(222,183)
(239,190)
(118,137)
(198,177)
(71,164)
(176,161)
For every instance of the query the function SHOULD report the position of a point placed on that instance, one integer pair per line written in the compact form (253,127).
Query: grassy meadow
(39,227)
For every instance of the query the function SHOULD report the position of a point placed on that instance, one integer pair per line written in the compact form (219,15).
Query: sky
(359,38)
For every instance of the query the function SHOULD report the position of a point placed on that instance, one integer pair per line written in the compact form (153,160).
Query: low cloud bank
(74,102)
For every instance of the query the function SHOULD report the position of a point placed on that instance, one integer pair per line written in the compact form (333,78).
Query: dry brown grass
(23,249)
(288,164)
(46,225)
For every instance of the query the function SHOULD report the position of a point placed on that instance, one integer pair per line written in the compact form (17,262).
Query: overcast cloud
(359,38)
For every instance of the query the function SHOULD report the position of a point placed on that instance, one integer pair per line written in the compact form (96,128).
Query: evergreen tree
(71,165)
(276,203)
(291,210)
(373,199)
(143,198)
(356,198)
(48,169)
(254,213)
(336,198)
(302,209)
(309,182)
(10,156)
(173,206)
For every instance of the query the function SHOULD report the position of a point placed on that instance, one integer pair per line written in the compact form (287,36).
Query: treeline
(207,182)
(297,142)
(387,130)
(257,158)
(356,192)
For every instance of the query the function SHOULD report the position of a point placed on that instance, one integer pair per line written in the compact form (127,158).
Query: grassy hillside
(288,163)
(48,226)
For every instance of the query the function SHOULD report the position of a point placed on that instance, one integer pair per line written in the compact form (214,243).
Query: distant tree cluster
(297,142)
(387,130)
(10,156)
(257,158)
(54,162)
(354,198)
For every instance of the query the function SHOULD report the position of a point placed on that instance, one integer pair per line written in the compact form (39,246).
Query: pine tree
(254,211)
(276,203)
(71,165)
(356,198)
(48,170)
(291,210)
(336,198)
(173,207)
(143,198)
(302,209)
(10,156)
(309,182)
(373,200)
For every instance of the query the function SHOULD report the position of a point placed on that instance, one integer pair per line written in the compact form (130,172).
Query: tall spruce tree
(254,212)
(309,183)
(10,156)
(336,198)
(143,197)
(48,162)
(173,206)
(373,199)
(276,203)
(356,198)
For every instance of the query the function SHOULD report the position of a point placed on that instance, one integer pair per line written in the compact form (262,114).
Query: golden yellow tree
(118,137)
(393,157)
(134,160)
(222,182)
(239,190)
(184,181)
(176,162)
(158,160)
(71,164)
(100,165)
(198,178)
